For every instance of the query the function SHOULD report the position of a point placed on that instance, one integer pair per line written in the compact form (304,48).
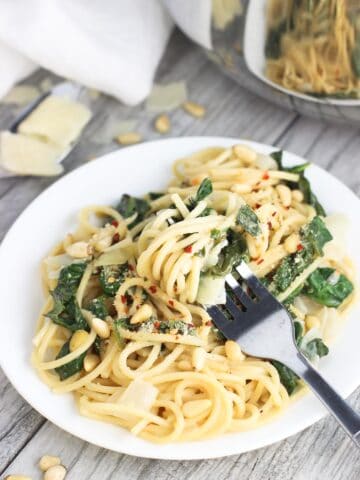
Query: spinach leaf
(129,205)
(97,306)
(248,219)
(66,311)
(111,277)
(287,377)
(69,369)
(278,155)
(313,238)
(69,280)
(231,255)
(319,289)
(204,190)
(298,330)
(181,327)
(315,235)
(273,40)
(155,195)
(315,347)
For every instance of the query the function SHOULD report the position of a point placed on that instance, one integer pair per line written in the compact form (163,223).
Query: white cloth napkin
(111,45)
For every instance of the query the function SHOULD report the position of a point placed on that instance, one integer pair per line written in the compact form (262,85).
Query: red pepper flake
(269,225)
(123,299)
(131,267)
(175,288)
(266,176)
(115,223)
(259,261)
(257,205)
(171,303)
(153,289)
(188,249)
(116,238)
(299,247)
(255,190)
(156,324)
(208,323)
(287,208)
(137,307)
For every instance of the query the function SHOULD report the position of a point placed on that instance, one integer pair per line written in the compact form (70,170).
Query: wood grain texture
(320,452)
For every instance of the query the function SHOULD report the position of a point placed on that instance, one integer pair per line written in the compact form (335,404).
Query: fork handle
(341,410)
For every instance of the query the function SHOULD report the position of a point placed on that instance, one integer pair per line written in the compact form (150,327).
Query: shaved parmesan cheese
(28,156)
(211,290)
(164,98)
(21,95)
(55,263)
(265,162)
(114,257)
(56,120)
(139,394)
(338,225)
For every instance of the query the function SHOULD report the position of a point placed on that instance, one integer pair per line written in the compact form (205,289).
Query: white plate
(254,54)
(137,170)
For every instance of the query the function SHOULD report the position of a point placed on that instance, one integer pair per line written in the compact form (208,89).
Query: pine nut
(193,408)
(184,365)
(144,313)
(57,472)
(78,339)
(312,322)
(291,243)
(245,153)
(79,250)
(198,358)
(297,195)
(48,461)
(17,477)
(284,193)
(194,109)
(91,361)
(101,327)
(129,138)
(233,351)
(162,124)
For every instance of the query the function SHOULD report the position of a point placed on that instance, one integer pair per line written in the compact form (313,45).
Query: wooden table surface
(320,452)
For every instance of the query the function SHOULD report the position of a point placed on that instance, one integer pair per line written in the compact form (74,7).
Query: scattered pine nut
(144,313)
(18,477)
(48,461)
(57,472)
(129,138)
(162,124)
(194,109)
(79,338)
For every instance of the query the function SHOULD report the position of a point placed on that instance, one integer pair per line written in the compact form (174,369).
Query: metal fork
(263,328)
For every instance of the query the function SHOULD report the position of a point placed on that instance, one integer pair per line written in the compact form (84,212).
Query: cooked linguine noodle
(313,46)
(124,326)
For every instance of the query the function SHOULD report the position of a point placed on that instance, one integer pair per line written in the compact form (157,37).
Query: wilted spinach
(319,289)
(69,369)
(248,219)
(111,277)
(129,205)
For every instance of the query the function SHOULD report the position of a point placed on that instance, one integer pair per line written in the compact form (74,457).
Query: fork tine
(219,318)
(238,291)
(232,307)
(254,283)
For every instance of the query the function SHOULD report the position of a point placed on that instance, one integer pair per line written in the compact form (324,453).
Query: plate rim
(206,141)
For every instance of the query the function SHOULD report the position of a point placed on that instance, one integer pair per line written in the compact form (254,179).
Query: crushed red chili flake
(123,299)
(255,190)
(273,214)
(266,176)
(257,205)
(156,324)
(115,223)
(269,225)
(116,238)
(153,289)
(137,307)
(259,261)
(299,247)
(131,267)
(171,303)
(208,323)
(188,249)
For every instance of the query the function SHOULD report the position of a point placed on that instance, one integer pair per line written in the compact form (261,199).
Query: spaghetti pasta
(147,269)
(314,46)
